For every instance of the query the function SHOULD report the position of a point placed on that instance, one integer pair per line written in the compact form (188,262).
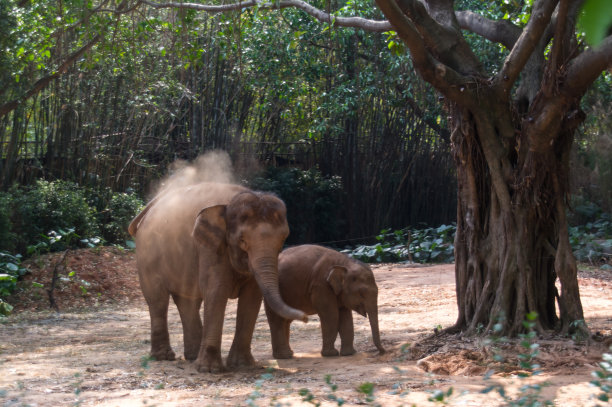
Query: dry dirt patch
(93,352)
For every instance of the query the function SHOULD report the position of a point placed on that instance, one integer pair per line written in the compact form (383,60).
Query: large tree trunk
(512,236)
(511,134)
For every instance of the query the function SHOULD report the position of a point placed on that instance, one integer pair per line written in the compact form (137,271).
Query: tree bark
(512,238)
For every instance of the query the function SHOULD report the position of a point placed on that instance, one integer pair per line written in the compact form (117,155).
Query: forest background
(333,120)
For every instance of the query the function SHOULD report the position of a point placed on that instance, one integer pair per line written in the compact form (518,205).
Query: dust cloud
(212,166)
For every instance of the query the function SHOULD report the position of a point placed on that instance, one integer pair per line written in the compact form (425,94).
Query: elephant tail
(133,228)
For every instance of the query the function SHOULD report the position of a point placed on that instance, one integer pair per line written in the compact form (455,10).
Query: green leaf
(596,20)
(366,388)
(5,308)
(12,266)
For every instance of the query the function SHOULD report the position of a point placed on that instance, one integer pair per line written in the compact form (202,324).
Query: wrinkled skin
(318,280)
(210,242)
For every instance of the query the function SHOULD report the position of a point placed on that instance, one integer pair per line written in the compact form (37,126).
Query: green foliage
(603,378)
(50,206)
(529,392)
(592,241)
(7,238)
(440,396)
(52,216)
(425,245)
(116,217)
(59,240)
(596,20)
(367,389)
(10,271)
(314,202)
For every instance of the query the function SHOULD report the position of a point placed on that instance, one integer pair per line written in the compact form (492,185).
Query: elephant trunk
(265,269)
(372,310)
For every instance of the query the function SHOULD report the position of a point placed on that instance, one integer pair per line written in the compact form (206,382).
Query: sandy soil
(94,351)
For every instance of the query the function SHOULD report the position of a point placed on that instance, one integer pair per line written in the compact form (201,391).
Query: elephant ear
(210,226)
(335,278)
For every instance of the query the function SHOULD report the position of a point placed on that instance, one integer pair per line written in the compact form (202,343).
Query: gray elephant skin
(210,242)
(318,280)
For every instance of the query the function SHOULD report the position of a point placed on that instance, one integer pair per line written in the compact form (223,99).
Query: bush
(426,245)
(314,202)
(122,208)
(10,271)
(33,216)
(7,237)
(592,242)
(49,206)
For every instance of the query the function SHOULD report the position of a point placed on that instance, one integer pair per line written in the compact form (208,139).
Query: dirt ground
(93,352)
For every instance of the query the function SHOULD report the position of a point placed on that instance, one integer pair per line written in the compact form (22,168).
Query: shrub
(7,237)
(48,206)
(426,245)
(592,240)
(10,271)
(122,208)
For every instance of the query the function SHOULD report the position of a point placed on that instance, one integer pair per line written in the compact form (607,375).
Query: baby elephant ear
(335,278)
(209,227)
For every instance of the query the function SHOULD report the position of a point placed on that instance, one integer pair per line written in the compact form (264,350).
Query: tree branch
(526,43)
(43,82)
(354,22)
(502,32)
(442,37)
(586,67)
(72,27)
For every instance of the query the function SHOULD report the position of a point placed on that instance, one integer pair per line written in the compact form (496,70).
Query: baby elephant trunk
(372,310)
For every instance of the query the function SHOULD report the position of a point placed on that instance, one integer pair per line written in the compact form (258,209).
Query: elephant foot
(209,361)
(191,356)
(329,352)
(282,354)
(163,354)
(191,351)
(239,359)
(347,351)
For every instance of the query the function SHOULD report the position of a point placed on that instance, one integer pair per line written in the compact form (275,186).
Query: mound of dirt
(83,278)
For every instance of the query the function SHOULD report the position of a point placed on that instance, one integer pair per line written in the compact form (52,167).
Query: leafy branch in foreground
(530,392)
(603,378)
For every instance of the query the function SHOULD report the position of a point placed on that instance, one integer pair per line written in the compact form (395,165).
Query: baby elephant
(318,280)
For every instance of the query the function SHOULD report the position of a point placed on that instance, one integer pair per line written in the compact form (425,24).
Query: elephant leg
(189,310)
(329,330)
(347,333)
(249,303)
(279,333)
(209,356)
(158,300)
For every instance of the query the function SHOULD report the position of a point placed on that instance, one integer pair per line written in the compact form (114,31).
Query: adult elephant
(210,242)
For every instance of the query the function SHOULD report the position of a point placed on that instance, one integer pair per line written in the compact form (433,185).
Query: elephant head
(356,288)
(249,231)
